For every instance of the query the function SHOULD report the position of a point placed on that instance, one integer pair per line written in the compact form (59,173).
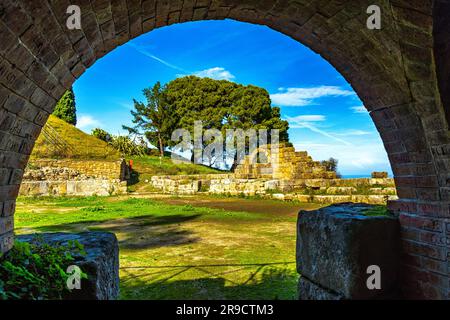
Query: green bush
(37,271)
(128,147)
(102,135)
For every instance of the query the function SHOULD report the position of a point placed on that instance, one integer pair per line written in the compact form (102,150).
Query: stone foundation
(101,263)
(327,191)
(103,169)
(74,178)
(336,246)
(86,188)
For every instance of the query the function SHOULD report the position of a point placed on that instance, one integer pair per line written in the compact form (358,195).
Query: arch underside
(393,71)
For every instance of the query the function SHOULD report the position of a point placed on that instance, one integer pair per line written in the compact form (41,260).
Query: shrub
(127,147)
(37,271)
(102,135)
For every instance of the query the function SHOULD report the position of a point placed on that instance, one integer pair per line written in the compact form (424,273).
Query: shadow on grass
(137,232)
(274,281)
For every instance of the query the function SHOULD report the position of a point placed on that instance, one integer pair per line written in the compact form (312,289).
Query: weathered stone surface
(282,163)
(308,290)
(336,245)
(380,175)
(46,177)
(101,263)
(228,184)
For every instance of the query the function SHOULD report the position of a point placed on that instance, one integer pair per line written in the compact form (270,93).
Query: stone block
(337,244)
(101,263)
(6,242)
(308,290)
(380,175)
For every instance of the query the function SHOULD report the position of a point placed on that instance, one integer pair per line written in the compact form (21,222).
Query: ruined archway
(393,71)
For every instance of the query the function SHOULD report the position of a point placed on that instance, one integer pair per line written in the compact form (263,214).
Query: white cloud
(359,109)
(307,122)
(298,97)
(352,133)
(87,122)
(308,118)
(361,158)
(216,73)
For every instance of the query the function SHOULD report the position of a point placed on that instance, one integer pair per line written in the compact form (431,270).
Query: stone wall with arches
(396,71)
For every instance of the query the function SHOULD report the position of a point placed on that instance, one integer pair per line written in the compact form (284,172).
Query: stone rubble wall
(378,191)
(90,168)
(74,178)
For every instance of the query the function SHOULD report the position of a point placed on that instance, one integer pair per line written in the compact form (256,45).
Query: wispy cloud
(353,133)
(298,97)
(216,73)
(307,122)
(86,121)
(363,157)
(308,118)
(359,109)
(126,105)
(148,54)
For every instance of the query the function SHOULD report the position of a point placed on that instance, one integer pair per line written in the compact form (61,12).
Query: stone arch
(393,70)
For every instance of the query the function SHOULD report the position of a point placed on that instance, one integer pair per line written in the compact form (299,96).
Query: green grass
(80,145)
(175,248)
(378,211)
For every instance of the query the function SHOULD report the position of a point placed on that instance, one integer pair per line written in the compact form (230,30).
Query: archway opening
(399,89)
(179,236)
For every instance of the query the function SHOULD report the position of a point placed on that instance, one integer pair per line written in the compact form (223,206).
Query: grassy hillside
(62,140)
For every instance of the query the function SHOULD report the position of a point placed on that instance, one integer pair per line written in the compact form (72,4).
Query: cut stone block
(308,290)
(101,263)
(336,245)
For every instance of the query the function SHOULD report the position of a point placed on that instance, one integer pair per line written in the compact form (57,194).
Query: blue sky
(327,118)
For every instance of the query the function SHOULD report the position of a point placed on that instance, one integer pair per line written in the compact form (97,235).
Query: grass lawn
(184,248)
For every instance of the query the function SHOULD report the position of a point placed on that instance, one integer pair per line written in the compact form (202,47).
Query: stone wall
(74,178)
(283,163)
(89,168)
(373,191)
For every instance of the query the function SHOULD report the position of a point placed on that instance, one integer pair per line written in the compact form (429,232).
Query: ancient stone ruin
(282,174)
(70,177)
(282,163)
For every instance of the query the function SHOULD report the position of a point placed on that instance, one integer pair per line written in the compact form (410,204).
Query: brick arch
(393,71)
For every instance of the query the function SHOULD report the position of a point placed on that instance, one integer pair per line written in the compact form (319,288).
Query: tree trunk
(161,146)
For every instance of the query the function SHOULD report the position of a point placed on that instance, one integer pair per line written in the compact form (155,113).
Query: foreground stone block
(337,244)
(101,263)
(310,291)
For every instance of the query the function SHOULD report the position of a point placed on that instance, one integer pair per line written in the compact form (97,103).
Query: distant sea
(356,176)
